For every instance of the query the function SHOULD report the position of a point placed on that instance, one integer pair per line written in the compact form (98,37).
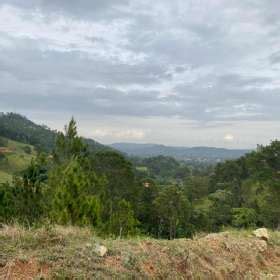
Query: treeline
(73,185)
(248,189)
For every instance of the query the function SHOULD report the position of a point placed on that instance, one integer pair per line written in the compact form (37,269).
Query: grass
(5,177)
(16,159)
(142,168)
(68,253)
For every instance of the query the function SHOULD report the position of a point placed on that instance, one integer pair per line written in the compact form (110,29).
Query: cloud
(75,9)
(129,134)
(206,62)
(229,137)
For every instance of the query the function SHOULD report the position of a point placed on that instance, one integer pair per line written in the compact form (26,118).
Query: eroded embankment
(68,252)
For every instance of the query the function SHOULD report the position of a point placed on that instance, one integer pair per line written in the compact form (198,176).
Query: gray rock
(261,233)
(100,250)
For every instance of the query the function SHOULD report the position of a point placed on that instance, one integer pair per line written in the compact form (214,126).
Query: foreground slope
(67,253)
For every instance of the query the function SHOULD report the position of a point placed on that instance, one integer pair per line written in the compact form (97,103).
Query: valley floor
(70,252)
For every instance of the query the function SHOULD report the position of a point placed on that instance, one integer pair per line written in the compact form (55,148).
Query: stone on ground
(100,250)
(261,233)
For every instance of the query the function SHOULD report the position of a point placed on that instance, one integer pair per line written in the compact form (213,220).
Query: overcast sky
(180,72)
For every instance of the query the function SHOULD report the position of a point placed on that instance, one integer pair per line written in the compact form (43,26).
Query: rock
(261,245)
(261,233)
(100,250)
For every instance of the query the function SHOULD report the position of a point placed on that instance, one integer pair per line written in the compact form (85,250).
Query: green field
(15,159)
(142,169)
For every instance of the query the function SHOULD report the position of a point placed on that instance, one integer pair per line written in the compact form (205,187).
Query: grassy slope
(16,160)
(68,253)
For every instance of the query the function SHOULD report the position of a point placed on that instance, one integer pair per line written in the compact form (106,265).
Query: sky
(180,72)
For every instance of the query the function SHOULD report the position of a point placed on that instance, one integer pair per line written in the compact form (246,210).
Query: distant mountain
(179,153)
(18,128)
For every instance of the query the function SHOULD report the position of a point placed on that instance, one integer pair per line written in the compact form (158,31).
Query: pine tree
(74,200)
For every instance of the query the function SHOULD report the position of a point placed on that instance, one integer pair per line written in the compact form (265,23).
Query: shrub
(27,149)
(3,142)
(244,217)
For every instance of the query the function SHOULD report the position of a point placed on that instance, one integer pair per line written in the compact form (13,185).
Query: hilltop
(19,128)
(69,253)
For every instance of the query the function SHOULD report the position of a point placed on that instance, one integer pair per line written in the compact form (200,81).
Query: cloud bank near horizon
(172,72)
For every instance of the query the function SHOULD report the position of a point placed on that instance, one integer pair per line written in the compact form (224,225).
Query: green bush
(3,142)
(123,222)
(27,149)
(244,217)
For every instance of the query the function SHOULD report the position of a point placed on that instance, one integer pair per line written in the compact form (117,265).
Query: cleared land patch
(14,157)
(68,252)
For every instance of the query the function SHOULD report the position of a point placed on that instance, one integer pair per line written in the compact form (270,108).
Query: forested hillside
(19,128)
(167,170)
(159,196)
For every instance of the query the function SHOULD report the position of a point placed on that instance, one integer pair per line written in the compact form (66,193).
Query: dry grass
(68,253)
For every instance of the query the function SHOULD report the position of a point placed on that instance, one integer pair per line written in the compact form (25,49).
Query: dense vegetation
(157,196)
(166,170)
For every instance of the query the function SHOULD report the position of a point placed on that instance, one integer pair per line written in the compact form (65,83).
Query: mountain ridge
(19,128)
(201,153)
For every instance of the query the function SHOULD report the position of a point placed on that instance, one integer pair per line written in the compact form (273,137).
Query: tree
(173,210)
(264,168)
(69,145)
(123,222)
(3,142)
(74,200)
(7,203)
(220,210)
(196,187)
(120,181)
(146,212)
(244,217)
(25,198)
(229,176)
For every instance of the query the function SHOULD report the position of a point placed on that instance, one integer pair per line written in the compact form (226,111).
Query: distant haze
(203,154)
(181,73)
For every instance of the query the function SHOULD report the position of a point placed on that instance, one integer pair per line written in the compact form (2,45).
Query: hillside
(21,129)
(180,153)
(70,253)
(14,157)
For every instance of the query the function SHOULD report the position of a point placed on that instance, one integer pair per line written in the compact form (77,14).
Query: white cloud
(229,137)
(209,63)
(119,134)
(64,34)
